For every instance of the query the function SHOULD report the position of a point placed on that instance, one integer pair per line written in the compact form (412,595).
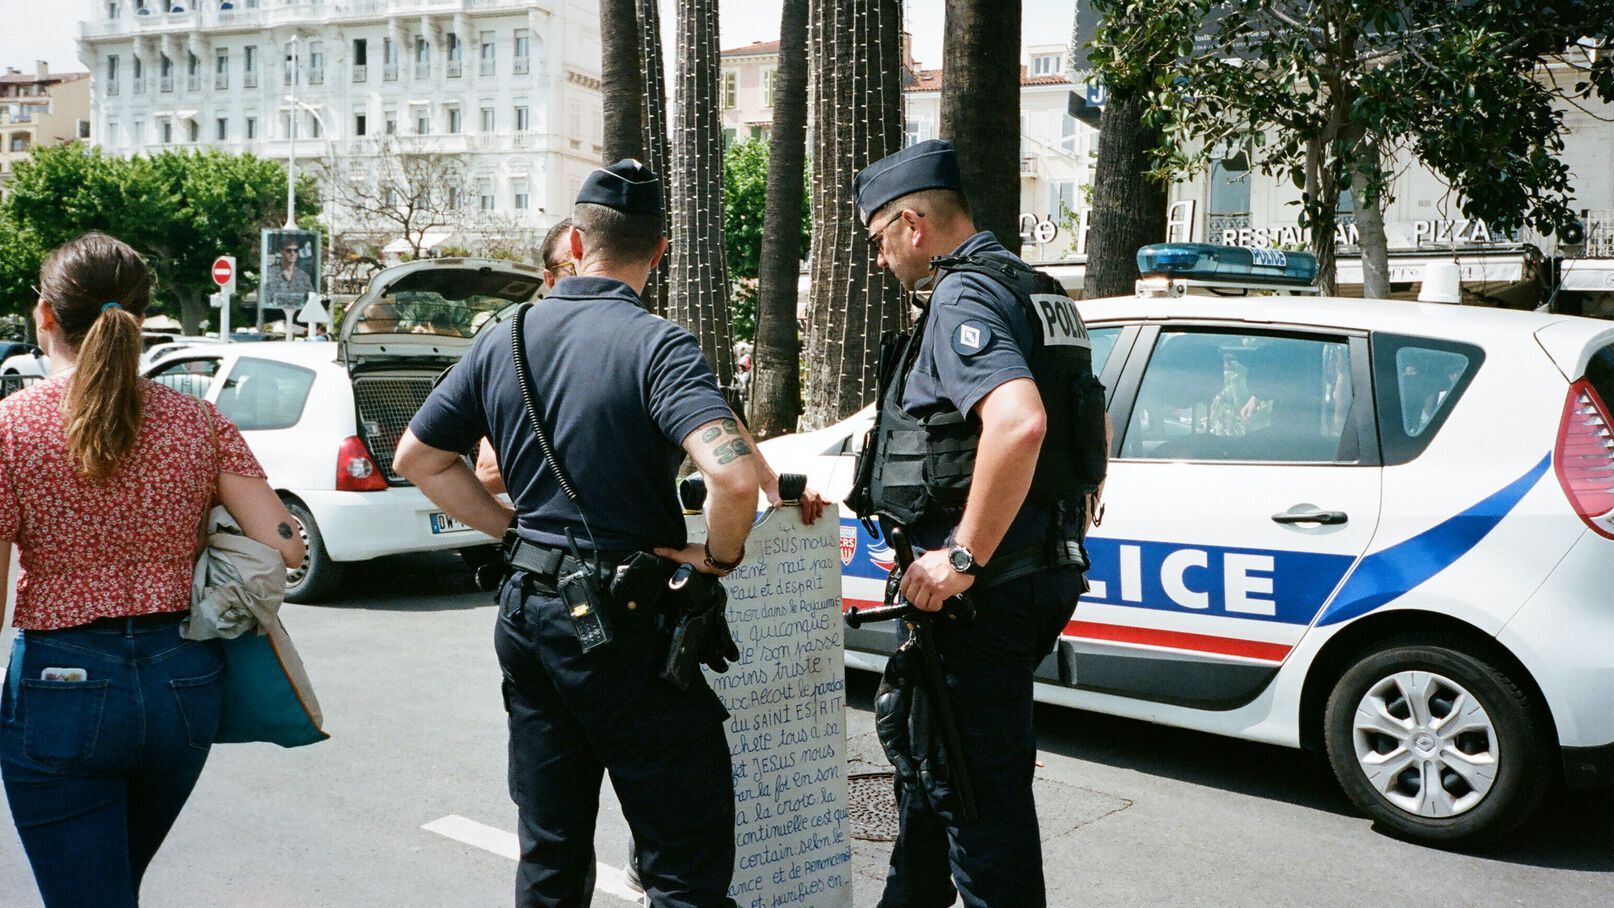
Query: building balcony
(316,77)
(249,15)
(423,71)
(193,83)
(455,69)
(361,72)
(486,68)
(389,72)
(249,80)
(521,66)
(110,86)
(138,85)
(221,81)
(165,84)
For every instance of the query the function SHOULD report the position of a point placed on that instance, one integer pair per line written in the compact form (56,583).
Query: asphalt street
(406,805)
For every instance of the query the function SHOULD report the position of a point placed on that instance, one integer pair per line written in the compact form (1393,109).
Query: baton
(955,608)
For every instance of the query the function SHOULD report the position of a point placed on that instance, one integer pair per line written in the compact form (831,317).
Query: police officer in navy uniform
(989,434)
(624,395)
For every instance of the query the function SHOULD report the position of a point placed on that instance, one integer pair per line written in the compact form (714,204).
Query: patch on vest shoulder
(1061,325)
(971,338)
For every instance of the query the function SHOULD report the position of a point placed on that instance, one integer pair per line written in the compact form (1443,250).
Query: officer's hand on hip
(930,581)
(693,555)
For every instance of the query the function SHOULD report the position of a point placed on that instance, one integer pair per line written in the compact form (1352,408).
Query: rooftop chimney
(41,70)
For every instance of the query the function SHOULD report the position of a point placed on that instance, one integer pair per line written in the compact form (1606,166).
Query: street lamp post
(291,167)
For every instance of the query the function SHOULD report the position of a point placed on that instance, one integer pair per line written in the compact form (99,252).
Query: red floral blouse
(123,547)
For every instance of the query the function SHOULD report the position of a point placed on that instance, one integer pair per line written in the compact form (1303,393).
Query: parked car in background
(325,419)
(1382,530)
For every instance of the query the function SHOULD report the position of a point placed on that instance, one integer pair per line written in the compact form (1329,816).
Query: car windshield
(445,302)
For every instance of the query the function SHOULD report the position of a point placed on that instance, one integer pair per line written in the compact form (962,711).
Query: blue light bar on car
(1208,262)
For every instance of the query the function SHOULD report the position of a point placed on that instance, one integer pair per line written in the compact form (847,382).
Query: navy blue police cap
(931,164)
(628,186)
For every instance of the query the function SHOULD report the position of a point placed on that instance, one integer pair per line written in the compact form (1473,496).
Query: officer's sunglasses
(877,238)
(561,269)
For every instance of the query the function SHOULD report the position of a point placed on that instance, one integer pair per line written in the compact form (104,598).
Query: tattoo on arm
(730,451)
(285,531)
(730,426)
(711,435)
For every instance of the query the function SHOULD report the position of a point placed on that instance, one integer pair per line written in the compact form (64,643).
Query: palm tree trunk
(655,131)
(1129,206)
(776,366)
(980,109)
(622,89)
(699,280)
(857,84)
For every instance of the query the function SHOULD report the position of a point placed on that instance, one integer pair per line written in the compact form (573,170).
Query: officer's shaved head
(945,205)
(616,236)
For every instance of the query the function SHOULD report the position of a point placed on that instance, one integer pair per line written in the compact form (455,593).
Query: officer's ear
(661,250)
(574,241)
(916,227)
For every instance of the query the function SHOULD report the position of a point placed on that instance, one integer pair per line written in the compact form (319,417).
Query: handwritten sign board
(787,726)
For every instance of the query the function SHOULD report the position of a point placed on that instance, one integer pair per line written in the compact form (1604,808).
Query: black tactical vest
(915,469)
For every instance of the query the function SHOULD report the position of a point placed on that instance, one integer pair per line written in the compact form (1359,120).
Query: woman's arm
(262,515)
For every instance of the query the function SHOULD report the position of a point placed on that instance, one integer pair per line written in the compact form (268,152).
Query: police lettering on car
(588,446)
(988,440)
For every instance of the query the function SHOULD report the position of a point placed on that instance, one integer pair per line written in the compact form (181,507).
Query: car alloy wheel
(1426,744)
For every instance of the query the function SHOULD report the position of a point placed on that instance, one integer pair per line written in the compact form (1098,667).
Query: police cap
(628,186)
(931,164)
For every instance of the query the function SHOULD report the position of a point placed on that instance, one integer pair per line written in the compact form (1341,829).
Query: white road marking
(609,880)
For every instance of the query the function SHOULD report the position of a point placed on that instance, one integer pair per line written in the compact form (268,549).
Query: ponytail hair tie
(112,305)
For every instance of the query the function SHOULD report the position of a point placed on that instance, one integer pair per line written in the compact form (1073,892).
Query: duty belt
(542,561)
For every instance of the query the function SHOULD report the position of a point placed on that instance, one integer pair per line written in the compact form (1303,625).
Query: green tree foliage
(20,256)
(1333,96)
(745,198)
(179,209)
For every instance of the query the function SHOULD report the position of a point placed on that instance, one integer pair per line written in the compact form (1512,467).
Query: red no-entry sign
(224,270)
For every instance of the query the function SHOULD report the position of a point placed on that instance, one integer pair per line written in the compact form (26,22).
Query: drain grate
(874,806)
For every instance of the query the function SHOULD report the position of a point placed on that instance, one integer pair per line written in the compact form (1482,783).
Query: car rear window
(1600,373)
(1417,382)
(264,394)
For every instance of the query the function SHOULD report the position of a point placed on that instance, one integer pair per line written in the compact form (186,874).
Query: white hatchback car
(324,419)
(1382,530)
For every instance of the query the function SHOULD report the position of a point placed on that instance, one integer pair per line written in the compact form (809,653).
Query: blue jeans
(96,771)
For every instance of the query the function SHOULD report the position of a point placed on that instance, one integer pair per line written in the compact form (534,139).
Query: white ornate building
(512,85)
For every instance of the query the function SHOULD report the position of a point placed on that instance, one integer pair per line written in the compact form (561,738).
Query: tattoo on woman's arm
(285,531)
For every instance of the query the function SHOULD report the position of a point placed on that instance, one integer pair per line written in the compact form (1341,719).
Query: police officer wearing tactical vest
(590,423)
(989,438)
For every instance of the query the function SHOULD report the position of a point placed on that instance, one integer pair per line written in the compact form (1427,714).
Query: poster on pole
(290,262)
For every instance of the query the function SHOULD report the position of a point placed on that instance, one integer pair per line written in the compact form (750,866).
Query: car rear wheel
(1436,745)
(318,576)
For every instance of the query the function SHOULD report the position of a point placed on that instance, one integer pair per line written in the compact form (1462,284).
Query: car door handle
(1329,518)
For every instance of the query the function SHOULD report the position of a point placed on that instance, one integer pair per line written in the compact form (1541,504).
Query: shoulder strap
(529,396)
(1013,275)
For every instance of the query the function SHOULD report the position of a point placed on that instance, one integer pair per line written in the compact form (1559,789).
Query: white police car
(1380,529)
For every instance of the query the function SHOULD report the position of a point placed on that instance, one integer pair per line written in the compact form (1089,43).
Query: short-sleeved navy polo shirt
(977,336)
(618,391)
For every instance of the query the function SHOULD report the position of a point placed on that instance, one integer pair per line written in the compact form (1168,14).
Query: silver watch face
(961,558)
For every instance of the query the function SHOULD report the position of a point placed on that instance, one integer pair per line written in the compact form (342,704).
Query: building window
(423,59)
(316,63)
(389,123)
(112,67)
(221,69)
(249,66)
(288,125)
(455,57)
(1229,208)
(221,130)
(911,134)
(767,87)
(315,127)
(193,72)
(389,60)
(523,58)
(486,55)
(165,73)
(1061,199)
(251,128)
(288,72)
(112,132)
(361,60)
(423,123)
(456,198)
(454,121)
(138,137)
(193,131)
(523,118)
(1068,135)
(1046,65)
(728,138)
(489,120)
(518,190)
(484,192)
(167,132)
(731,90)
(114,9)
(359,124)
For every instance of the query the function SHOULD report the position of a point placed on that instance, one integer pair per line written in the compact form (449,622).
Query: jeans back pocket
(61,720)
(201,702)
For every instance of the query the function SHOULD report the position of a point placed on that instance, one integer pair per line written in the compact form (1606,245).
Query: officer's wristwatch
(963,560)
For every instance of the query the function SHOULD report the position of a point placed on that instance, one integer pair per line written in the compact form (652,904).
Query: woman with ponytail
(106,712)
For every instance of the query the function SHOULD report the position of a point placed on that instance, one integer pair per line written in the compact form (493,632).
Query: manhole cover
(874,806)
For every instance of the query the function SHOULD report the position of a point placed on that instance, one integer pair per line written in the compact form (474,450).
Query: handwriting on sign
(786,698)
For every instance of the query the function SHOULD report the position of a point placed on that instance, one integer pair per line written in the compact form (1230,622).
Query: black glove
(720,647)
(893,708)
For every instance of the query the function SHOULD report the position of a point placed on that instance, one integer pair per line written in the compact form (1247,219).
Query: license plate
(442,523)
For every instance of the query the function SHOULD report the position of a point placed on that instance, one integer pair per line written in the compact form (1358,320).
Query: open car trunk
(414,321)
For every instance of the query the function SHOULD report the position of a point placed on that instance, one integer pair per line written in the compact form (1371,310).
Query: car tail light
(1584,457)
(355,471)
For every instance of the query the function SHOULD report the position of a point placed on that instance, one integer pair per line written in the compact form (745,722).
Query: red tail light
(355,471)
(1584,458)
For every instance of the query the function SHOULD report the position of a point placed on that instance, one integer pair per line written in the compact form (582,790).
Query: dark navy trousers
(576,716)
(995,861)
(96,771)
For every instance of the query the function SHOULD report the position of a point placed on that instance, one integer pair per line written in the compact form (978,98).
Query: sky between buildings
(48,30)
